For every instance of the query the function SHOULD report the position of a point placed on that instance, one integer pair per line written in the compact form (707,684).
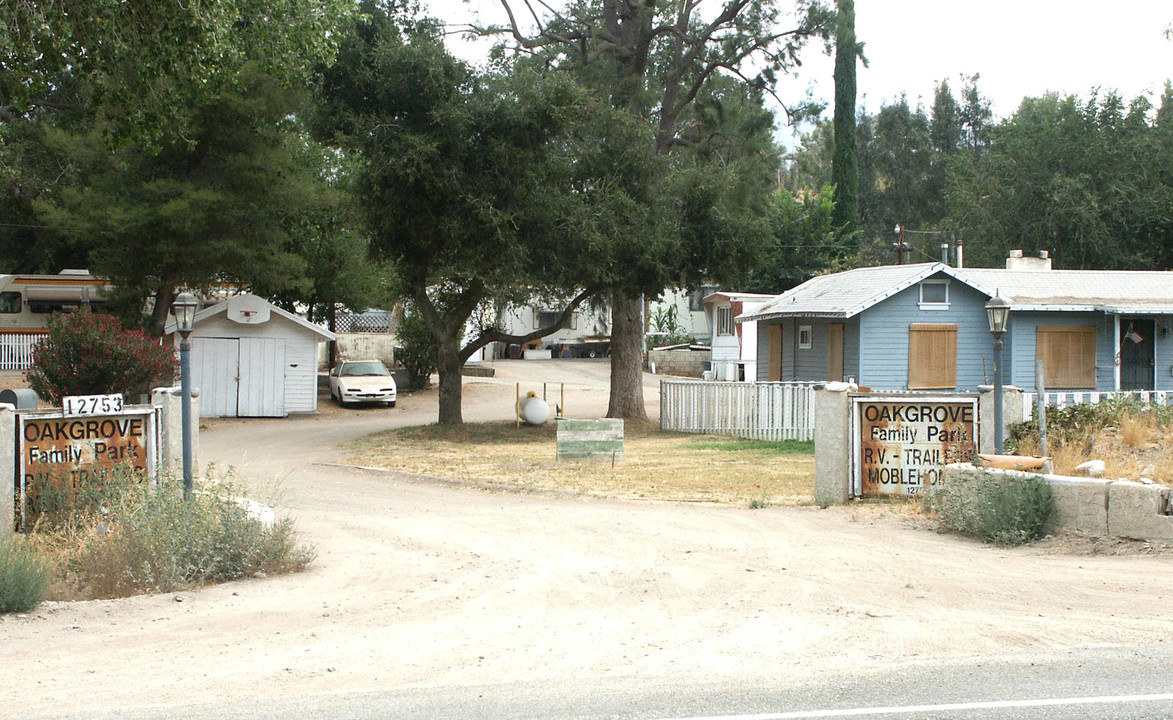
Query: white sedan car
(360,381)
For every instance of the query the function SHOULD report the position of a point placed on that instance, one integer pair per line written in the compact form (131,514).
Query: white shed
(250,358)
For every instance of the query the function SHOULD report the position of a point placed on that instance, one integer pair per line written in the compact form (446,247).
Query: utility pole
(900,245)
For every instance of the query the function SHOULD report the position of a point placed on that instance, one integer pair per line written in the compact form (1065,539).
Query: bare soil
(421,583)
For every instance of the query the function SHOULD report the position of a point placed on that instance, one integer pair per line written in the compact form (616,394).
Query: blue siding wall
(883,337)
(851,349)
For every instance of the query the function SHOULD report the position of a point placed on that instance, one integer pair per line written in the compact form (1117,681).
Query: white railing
(16,350)
(1063,399)
(759,411)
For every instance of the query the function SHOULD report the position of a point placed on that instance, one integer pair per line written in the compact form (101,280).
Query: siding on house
(883,337)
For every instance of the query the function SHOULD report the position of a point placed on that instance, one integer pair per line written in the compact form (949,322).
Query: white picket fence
(16,350)
(1064,399)
(759,411)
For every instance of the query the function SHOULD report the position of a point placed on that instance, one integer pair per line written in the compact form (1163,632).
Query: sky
(1020,48)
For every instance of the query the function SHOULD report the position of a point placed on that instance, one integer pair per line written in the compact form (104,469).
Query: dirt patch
(657,465)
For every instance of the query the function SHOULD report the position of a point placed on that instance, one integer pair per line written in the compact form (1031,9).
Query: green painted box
(590,439)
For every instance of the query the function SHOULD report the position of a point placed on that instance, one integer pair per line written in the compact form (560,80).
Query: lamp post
(184,308)
(998,312)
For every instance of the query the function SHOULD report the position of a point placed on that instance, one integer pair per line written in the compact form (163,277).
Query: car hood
(367,382)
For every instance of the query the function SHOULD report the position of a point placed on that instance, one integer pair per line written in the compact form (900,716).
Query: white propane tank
(534,410)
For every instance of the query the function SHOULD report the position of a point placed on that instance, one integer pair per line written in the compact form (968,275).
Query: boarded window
(932,356)
(1068,353)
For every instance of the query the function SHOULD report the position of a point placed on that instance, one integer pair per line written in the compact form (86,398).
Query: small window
(934,295)
(9,302)
(546,318)
(724,321)
(806,337)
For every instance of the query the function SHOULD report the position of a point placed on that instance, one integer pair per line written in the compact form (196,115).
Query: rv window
(9,302)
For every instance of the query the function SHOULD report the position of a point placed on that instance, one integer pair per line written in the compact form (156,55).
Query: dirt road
(423,585)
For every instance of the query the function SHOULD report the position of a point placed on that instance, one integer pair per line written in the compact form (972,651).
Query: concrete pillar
(7,468)
(1011,413)
(169,401)
(832,445)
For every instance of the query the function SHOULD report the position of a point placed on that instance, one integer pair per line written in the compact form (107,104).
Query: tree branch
(493,335)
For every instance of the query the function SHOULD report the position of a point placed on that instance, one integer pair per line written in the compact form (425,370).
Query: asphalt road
(1088,684)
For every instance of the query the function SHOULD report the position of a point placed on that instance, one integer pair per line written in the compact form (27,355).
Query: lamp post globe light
(184,309)
(998,313)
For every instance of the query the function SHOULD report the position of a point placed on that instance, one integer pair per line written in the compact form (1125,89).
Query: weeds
(24,576)
(1002,508)
(124,537)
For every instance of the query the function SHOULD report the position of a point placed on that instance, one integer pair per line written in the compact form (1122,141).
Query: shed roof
(846,294)
(222,307)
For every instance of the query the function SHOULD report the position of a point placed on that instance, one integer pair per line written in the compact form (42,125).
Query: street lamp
(184,308)
(998,312)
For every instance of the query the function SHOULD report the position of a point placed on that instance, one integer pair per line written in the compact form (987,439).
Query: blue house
(924,327)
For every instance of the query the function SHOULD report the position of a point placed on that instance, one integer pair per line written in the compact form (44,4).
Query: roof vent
(1018,261)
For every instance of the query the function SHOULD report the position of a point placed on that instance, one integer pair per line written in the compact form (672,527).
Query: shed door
(261,391)
(214,370)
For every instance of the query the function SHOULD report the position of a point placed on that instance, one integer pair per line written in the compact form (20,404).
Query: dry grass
(657,465)
(1138,448)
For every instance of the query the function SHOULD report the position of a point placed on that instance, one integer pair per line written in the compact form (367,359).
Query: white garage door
(262,378)
(242,377)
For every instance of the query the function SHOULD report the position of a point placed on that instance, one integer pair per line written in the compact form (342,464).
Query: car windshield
(364,368)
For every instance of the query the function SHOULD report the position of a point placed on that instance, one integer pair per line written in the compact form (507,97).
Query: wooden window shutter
(932,356)
(1068,353)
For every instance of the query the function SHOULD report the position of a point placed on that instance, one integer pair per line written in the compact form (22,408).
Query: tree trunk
(627,345)
(164,297)
(449,364)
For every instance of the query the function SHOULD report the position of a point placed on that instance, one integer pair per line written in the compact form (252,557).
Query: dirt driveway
(419,584)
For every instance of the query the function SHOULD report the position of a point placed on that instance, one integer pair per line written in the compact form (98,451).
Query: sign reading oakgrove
(75,450)
(903,443)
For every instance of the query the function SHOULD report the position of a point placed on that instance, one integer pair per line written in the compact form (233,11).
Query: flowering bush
(92,354)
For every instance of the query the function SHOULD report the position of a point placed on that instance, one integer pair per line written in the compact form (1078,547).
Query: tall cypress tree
(845,162)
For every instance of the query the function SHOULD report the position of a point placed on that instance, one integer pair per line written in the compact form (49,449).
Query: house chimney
(1039,261)
(945,253)
(959,252)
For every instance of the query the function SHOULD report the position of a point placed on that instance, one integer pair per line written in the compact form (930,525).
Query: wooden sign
(72,451)
(902,444)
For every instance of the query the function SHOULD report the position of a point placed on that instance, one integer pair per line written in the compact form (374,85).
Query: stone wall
(1094,506)
(680,363)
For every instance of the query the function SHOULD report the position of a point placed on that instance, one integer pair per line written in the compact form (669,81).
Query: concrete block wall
(1094,506)
(681,363)
(7,467)
(1011,413)
(833,444)
(169,400)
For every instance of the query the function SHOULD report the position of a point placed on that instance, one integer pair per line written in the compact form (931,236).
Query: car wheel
(337,399)
(592,353)
(391,404)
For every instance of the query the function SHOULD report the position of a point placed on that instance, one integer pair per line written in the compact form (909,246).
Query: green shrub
(1002,508)
(24,576)
(417,349)
(130,537)
(92,354)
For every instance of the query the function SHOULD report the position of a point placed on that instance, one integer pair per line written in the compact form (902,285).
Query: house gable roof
(846,294)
